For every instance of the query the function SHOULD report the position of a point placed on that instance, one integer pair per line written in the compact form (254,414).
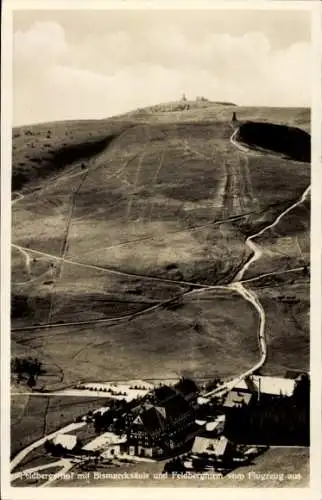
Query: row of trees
(273,421)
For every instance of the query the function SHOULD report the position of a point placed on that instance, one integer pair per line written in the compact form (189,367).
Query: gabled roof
(203,444)
(267,385)
(152,420)
(139,408)
(221,446)
(101,410)
(218,423)
(236,398)
(164,392)
(162,411)
(67,441)
(104,441)
(156,417)
(175,407)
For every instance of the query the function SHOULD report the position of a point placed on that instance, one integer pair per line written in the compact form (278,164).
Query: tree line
(27,368)
(275,420)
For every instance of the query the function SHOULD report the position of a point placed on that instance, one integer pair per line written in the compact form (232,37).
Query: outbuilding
(67,441)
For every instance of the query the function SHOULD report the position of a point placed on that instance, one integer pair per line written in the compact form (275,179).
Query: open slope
(119,229)
(164,207)
(197,336)
(138,204)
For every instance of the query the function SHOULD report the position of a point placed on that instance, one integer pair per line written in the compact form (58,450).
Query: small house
(67,441)
(217,425)
(105,443)
(116,449)
(204,445)
(217,447)
(237,398)
(267,385)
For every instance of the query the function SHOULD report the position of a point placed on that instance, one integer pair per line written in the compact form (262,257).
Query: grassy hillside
(138,204)
(41,151)
(118,228)
(45,149)
(32,417)
(200,336)
(109,205)
(286,302)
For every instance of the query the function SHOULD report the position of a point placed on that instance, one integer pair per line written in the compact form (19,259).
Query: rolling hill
(114,217)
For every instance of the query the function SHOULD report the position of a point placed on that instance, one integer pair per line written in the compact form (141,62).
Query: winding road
(256,250)
(250,295)
(23,453)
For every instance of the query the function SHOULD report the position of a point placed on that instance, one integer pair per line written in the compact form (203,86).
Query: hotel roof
(267,385)
(67,441)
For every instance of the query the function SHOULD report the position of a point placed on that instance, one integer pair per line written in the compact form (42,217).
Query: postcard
(160,249)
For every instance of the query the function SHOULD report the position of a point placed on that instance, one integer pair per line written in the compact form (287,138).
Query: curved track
(236,285)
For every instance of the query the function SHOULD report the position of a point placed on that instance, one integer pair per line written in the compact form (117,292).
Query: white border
(316,225)
(314,492)
(162,4)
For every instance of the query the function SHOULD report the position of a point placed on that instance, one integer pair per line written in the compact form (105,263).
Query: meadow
(32,417)
(120,215)
(198,337)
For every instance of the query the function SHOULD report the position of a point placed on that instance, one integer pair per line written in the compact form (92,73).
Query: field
(136,206)
(83,293)
(165,204)
(199,336)
(156,201)
(32,417)
(285,299)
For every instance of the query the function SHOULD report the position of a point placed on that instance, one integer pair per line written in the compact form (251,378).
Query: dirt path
(256,250)
(109,270)
(23,453)
(250,295)
(26,257)
(236,285)
(65,242)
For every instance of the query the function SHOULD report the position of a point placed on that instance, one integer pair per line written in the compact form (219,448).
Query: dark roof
(156,417)
(136,410)
(250,385)
(175,406)
(186,386)
(235,398)
(152,420)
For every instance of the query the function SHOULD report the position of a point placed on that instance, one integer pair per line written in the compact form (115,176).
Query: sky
(96,64)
